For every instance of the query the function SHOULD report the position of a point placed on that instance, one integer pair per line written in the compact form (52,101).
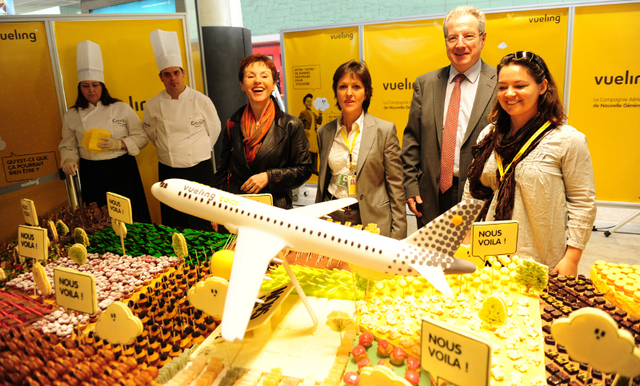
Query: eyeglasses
(531,56)
(466,38)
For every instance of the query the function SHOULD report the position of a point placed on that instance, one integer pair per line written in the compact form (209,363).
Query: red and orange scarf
(254,131)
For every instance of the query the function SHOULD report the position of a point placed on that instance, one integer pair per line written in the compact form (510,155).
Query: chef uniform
(113,170)
(183,130)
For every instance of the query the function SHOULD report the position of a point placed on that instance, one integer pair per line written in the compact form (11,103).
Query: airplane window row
(275,221)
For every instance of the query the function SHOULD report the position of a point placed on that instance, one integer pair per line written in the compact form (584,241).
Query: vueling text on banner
(605,96)
(529,31)
(397,53)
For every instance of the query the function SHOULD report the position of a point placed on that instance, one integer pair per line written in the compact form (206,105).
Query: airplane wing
(435,276)
(254,251)
(322,208)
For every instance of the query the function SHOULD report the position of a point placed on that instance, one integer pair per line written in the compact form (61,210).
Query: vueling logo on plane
(188,191)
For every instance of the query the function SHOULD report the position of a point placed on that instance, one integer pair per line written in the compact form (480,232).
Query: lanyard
(521,152)
(350,147)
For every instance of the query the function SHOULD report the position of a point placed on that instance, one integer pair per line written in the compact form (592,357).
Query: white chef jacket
(183,130)
(118,118)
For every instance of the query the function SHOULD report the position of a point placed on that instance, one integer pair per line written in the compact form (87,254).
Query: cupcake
(366,339)
(384,348)
(385,363)
(358,353)
(398,355)
(412,376)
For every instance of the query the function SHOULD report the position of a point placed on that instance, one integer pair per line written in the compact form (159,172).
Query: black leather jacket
(284,155)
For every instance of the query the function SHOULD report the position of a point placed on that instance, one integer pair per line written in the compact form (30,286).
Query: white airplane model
(263,231)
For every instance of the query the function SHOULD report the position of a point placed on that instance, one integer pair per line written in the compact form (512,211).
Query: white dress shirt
(468,88)
(183,130)
(339,156)
(118,118)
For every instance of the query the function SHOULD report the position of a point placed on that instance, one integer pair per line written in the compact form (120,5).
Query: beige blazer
(379,175)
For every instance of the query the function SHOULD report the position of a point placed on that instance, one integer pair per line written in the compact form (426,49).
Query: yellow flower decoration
(339,321)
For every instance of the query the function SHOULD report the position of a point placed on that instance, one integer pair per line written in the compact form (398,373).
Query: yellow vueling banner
(605,96)
(311,58)
(29,126)
(130,72)
(397,53)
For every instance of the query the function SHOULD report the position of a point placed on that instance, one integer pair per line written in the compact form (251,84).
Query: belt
(349,207)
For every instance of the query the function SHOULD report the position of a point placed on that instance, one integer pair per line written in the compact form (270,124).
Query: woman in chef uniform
(106,160)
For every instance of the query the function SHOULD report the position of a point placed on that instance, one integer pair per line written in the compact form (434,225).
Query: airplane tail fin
(446,232)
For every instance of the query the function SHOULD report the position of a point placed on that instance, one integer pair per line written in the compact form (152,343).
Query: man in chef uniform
(183,124)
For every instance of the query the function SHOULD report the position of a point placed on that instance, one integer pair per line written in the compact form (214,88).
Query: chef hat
(89,61)
(166,49)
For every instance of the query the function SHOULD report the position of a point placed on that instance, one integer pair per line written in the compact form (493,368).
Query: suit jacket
(310,121)
(284,155)
(378,175)
(422,138)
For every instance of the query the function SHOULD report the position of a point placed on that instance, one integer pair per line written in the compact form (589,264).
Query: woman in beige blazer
(360,157)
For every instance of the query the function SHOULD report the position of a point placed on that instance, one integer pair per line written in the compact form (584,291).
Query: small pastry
(364,362)
(398,355)
(413,364)
(384,348)
(175,351)
(152,356)
(358,353)
(197,337)
(385,363)
(165,348)
(366,339)
(351,378)
(185,341)
(154,343)
(412,376)
(164,359)
(128,351)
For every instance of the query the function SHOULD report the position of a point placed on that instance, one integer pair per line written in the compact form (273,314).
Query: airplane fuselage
(303,233)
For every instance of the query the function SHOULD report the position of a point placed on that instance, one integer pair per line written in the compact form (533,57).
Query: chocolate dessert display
(564,295)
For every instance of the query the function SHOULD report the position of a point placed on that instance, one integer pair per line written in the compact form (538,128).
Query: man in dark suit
(433,185)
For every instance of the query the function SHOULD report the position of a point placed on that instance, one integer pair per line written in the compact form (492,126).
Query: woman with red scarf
(264,150)
(531,167)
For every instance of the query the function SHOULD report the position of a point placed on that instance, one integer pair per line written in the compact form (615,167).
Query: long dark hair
(506,145)
(105,98)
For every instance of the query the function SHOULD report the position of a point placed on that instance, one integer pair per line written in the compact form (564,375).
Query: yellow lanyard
(520,153)
(350,147)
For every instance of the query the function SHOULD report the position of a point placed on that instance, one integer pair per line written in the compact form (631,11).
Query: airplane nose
(460,266)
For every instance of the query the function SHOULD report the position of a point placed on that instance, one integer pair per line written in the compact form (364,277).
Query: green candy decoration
(81,237)
(63,229)
(493,311)
(179,244)
(78,253)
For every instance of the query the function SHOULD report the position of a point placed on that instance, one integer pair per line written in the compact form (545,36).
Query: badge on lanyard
(352,185)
